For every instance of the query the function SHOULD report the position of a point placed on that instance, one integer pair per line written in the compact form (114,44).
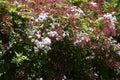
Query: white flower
(64,34)
(81,37)
(43,16)
(47,48)
(46,41)
(52,33)
(118,48)
(36,49)
(39,79)
(64,77)
(29,36)
(40,45)
(32,40)
(37,43)
(118,52)
(32,18)
(109,15)
(38,35)
(36,20)
(41,26)
(52,25)
(77,15)
(94,4)
(78,12)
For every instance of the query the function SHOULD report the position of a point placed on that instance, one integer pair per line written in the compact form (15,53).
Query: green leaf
(19,59)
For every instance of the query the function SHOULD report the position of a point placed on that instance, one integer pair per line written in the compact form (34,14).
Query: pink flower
(107,54)
(109,19)
(113,32)
(6,46)
(113,64)
(24,1)
(37,1)
(68,10)
(109,32)
(60,31)
(94,46)
(106,31)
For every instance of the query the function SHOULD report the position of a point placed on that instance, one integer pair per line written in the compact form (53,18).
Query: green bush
(59,40)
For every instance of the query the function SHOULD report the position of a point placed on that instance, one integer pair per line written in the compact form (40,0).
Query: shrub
(59,39)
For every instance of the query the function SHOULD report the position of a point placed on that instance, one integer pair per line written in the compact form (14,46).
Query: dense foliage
(59,40)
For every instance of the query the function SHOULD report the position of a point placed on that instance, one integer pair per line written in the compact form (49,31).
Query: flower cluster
(108,24)
(118,48)
(42,16)
(44,44)
(77,12)
(93,4)
(109,19)
(40,41)
(52,34)
(81,38)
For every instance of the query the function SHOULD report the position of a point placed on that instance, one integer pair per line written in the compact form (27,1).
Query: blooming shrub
(59,40)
